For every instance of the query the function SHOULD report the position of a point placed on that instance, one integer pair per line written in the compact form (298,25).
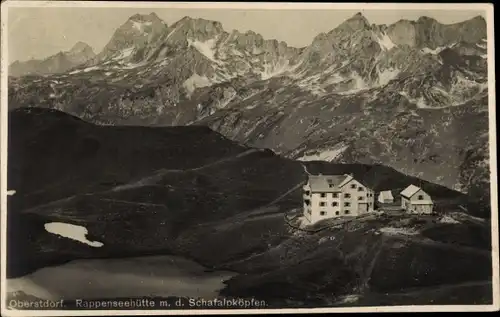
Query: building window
(347,204)
(334,204)
(307,192)
(420,197)
(337,213)
(322,213)
(353,186)
(347,195)
(335,195)
(347,211)
(323,195)
(331,185)
(322,204)
(360,198)
(360,189)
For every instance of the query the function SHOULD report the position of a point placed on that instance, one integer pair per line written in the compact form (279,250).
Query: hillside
(187,191)
(411,95)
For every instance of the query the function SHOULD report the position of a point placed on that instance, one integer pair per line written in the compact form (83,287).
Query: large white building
(330,196)
(415,200)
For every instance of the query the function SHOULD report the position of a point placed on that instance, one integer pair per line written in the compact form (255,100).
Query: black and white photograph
(173,158)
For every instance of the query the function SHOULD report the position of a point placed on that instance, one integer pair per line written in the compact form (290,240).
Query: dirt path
(264,211)
(144,181)
(426,241)
(159,174)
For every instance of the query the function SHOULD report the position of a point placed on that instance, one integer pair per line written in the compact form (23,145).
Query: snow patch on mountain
(419,102)
(324,155)
(274,69)
(358,84)
(139,26)
(334,79)
(197,81)
(207,48)
(435,51)
(387,75)
(170,34)
(74,232)
(463,88)
(237,53)
(85,70)
(385,42)
(124,53)
(222,103)
(89,69)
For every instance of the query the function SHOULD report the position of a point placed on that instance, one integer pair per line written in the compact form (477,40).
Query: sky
(43,31)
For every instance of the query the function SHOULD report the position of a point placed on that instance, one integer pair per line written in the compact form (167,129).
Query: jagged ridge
(350,92)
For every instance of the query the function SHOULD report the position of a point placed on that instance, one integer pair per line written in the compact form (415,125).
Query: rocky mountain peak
(479,18)
(193,29)
(199,25)
(80,46)
(141,22)
(151,17)
(135,33)
(426,19)
(356,22)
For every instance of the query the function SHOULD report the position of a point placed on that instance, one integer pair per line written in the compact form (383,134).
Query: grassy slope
(192,192)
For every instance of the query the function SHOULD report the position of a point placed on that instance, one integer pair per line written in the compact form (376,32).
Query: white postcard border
(487,7)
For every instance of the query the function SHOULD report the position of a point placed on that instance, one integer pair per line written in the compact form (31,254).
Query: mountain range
(412,95)
(58,63)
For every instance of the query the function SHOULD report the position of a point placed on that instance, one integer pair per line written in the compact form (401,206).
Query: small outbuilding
(415,200)
(385,197)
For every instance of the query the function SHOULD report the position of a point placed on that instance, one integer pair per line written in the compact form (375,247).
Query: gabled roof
(386,194)
(321,183)
(347,179)
(410,191)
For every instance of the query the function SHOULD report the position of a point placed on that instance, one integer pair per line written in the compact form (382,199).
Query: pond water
(128,277)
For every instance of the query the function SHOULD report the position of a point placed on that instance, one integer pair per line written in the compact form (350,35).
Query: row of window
(337,213)
(353,186)
(336,195)
(336,204)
